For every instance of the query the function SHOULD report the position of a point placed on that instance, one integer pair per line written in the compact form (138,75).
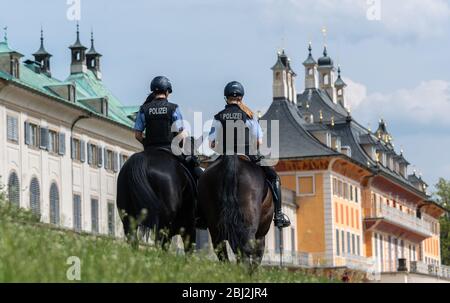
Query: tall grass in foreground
(33,252)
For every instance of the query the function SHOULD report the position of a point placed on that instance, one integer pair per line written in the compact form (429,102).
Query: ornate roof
(295,141)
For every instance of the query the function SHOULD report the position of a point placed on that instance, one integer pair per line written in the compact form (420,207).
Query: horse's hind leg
(130,230)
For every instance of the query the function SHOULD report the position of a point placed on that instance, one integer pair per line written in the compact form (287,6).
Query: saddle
(192,181)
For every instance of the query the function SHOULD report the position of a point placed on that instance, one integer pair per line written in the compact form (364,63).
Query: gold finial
(332,120)
(307,105)
(259,114)
(321,115)
(378,157)
(368,128)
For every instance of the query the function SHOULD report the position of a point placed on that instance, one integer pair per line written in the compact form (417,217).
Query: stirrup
(281,220)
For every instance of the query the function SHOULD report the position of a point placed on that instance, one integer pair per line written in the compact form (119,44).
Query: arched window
(326,79)
(340,92)
(277,76)
(14,189)
(35,196)
(310,71)
(54,204)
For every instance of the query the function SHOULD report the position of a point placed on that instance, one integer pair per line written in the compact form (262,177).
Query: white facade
(72,177)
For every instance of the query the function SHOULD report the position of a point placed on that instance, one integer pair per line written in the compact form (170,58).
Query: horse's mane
(231,225)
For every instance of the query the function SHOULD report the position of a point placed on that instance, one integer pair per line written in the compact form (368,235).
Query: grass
(34,252)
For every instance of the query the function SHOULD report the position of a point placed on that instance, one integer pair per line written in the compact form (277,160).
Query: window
(348,243)
(123,159)
(358,248)
(376,245)
(346,195)
(310,71)
(335,187)
(53,141)
(14,189)
(109,159)
(340,92)
(326,79)
(293,249)
(94,215)
(78,149)
(305,185)
(77,212)
(353,244)
(340,190)
(32,135)
(12,129)
(343,241)
(338,251)
(92,154)
(35,196)
(111,219)
(351,192)
(356,195)
(54,204)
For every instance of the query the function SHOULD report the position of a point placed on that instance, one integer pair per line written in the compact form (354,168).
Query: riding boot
(280,219)
(193,165)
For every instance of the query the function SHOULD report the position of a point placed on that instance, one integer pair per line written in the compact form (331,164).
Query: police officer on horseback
(162,121)
(237,114)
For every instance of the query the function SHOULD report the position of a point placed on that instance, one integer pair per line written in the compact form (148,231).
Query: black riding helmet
(161,84)
(234,89)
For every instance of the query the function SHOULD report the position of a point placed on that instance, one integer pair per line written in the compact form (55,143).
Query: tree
(443,197)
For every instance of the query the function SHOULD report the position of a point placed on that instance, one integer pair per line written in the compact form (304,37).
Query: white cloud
(398,19)
(426,104)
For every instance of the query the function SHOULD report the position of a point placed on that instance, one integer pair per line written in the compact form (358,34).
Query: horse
(155,193)
(235,200)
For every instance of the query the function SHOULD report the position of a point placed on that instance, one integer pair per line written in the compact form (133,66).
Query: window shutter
(72,148)
(120,160)
(100,156)
(89,154)
(115,162)
(62,144)
(82,151)
(11,128)
(44,138)
(105,151)
(27,133)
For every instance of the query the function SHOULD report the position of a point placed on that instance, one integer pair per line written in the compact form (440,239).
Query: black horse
(155,192)
(237,204)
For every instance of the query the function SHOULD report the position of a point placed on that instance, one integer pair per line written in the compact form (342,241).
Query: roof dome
(325,60)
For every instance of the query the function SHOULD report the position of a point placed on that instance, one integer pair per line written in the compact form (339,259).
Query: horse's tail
(135,193)
(231,224)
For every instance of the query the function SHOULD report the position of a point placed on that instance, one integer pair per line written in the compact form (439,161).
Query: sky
(394,55)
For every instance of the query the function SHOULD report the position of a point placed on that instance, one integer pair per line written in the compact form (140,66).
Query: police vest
(158,122)
(234,131)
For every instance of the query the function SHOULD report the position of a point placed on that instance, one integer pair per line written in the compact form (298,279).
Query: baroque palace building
(358,206)
(62,142)
(349,195)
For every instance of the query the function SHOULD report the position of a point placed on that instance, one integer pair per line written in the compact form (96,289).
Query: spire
(77,43)
(310,60)
(339,82)
(92,50)
(43,57)
(93,59)
(41,51)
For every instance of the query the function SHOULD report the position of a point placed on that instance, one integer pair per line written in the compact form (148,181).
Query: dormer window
(310,71)
(326,79)
(278,76)
(15,68)
(339,92)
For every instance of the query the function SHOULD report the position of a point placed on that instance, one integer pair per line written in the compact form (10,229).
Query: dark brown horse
(154,192)
(236,202)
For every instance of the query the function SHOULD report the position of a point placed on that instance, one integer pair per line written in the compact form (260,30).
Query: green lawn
(34,252)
